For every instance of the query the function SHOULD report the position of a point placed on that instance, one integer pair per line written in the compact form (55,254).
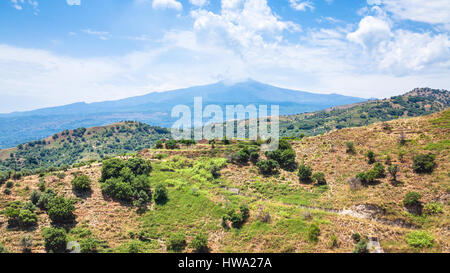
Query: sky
(55,52)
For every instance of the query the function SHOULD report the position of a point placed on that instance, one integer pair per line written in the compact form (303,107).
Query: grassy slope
(198,201)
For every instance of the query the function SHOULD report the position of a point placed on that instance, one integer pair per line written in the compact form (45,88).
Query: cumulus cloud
(302,5)
(167,4)
(18,5)
(430,11)
(199,3)
(73,2)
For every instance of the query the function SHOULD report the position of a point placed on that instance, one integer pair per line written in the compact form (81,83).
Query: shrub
(41,185)
(393,170)
(9,184)
(319,177)
(61,210)
(287,159)
(139,166)
(111,168)
(61,175)
(26,242)
(424,163)
(117,188)
(274,155)
(4,176)
(313,232)
(379,170)
(55,239)
(304,173)
(89,245)
(419,239)
(370,157)
(200,243)
(254,157)
(412,199)
(171,144)
(45,199)
(356,237)
(334,242)
(81,183)
(176,242)
(7,191)
(433,208)
(35,196)
(242,156)
(19,216)
(268,167)
(160,194)
(159,144)
(284,145)
(350,147)
(361,246)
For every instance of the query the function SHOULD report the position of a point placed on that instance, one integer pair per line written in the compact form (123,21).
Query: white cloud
(429,11)
(199,3)
(103,35)
(167,4)
(302,5)
(18,4)
(371,32)
(73,2)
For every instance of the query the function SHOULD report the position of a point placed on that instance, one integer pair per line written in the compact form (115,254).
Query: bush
(89,245)
(200,243)
(433,208)
(268,167)
(419,239)
(45,199)
(334,242)
(284,145)
(41,185)
(4,176)
(118,189)
(424,163)
(3,249)
(27,243)
(176,242)
(254,157)
(319,177)
(159,144)
(379,170)
(370,157)
(350,147)
(55,240)
(393,170)
(160,194)
(9,184)
(412,199)
(81,183)
(20,216)
(242,156)
(274,155)
(361,246)
(287,159)
(356,237)
(304,173)
(111,168)
(61,210)
(139,166)
(171,144)
(313,232)
(35,196)
(7,191)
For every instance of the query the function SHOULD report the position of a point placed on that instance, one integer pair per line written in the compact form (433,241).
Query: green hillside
(418,102)
(72,146)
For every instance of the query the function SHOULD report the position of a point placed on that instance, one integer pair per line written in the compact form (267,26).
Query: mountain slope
(281,209)
(71,146)
(155,109)
(418,102)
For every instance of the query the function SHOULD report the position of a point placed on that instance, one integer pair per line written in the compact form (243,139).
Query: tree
(61,210)
(371,157)
(55,240)
(350,147)
(412,199)
(81,183)
(304,173)
(111,168)
(393,170)
(424,163)
(161,194)
(287,159)
(268,167)
(20,216)
(159,144)
(171,144)
(319,177)
(139,166)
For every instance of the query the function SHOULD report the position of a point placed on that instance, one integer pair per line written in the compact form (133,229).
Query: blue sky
(55,52)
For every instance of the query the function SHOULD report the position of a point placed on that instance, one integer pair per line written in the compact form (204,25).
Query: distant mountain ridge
(154,108)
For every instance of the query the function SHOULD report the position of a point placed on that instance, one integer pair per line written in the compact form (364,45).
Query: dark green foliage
(313,233)
(9,184)
(171,144)
(176,242)
(4,176)
(200,243)
(139,166)
(424,163)
(111,168)
(20,216)
(41,185)
(55,240)
(117,188)
(370,157)
(237,218)
(89,245)
(81,183)
(304,173)
(361,246)
(242,156)
(161,196)
(268,167)
(254,157)
(45,198)
(7,191)
(356,237)
(274,155)
(379,170)
(159,144)
(35,196)
(319,178)
(287,159)
(412,199)
(61,210)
